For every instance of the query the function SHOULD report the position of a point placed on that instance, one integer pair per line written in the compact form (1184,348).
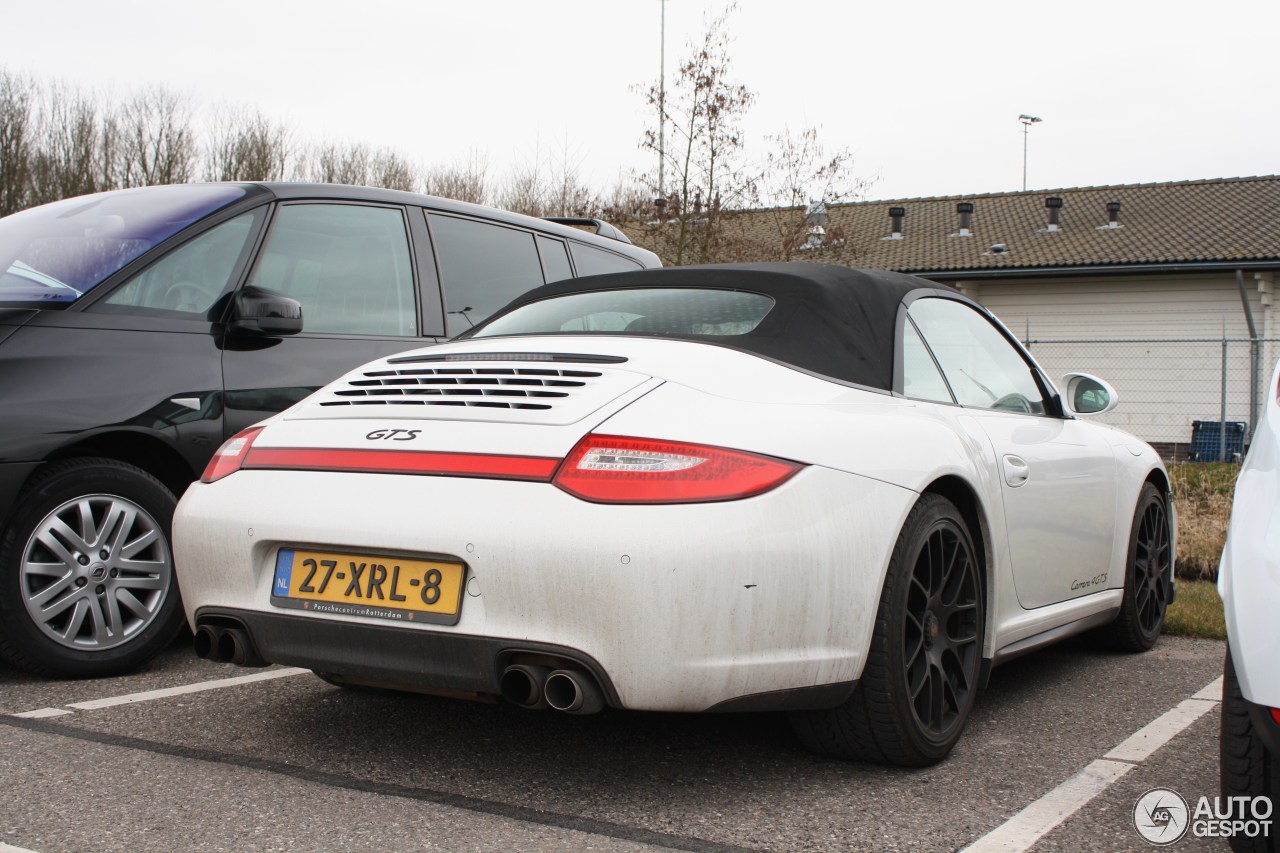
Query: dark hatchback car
(140,328)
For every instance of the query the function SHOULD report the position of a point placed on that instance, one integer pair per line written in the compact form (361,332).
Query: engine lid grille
(485,387)
(502,387)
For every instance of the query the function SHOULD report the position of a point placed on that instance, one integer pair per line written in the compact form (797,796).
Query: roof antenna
(1027,121)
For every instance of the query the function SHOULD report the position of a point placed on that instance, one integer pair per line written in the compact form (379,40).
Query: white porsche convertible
(845,494)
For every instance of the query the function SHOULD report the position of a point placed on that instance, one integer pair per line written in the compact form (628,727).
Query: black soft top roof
(830,320)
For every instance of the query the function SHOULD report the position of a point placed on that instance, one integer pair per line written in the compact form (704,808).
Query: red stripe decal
(429,463)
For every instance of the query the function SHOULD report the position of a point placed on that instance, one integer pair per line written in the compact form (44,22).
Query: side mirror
(1088,395)
(261,312)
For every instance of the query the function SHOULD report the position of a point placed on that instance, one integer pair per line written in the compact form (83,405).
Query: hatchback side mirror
(261,312)
(1088,395)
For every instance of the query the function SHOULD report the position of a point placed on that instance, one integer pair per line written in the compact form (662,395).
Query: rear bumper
(452,664)
(392,655)
(672,608)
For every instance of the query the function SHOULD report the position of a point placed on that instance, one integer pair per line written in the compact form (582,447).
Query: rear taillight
(230,455)
(614,469)
(1275,715)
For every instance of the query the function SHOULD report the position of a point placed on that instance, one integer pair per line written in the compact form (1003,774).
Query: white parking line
(9,848)
(1028,826)
(1139,746)
(41,713)
(165,693)
(1212,691)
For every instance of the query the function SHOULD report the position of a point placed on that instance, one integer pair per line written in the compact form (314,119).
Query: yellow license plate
(368,585)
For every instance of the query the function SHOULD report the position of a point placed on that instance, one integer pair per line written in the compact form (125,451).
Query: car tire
(922,670)
(87,586)
(1148,577)
(1247,769)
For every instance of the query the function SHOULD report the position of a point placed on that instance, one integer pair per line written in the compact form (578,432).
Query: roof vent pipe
(1113,216)
(1054,205)
(895,219)
(965,209)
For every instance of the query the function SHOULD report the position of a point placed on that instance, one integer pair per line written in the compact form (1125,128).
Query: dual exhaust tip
(536,687)
(226,645)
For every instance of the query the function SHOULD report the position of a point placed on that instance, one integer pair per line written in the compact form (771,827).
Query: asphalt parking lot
(1061,746)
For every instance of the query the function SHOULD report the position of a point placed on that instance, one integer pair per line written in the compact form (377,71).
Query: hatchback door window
(483,266)
(983,369)
(349,265)
(188,280)
(555,259)
(592,261)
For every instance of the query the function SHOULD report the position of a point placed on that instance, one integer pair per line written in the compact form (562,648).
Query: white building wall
(1163,387)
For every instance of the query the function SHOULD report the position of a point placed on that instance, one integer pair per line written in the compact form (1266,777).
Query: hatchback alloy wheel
(95,572)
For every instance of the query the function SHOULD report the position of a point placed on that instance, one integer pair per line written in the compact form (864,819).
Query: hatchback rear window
(55,253)
(684,312)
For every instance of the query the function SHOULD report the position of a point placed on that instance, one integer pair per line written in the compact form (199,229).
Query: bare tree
(549,184)
(797,172)
(523,191)
(465,180)
(247,146)
(157,137)
(17,94)
(629,205)
(360,165)
(340,164)
(389,169)
(69,159)
(697,216)
(704,110)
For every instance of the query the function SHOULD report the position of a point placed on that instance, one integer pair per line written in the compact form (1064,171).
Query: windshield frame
(67,230)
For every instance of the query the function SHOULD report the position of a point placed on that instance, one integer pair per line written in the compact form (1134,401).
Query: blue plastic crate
(1206,441)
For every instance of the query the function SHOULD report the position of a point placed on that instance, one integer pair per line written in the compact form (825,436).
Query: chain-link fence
(1176,393)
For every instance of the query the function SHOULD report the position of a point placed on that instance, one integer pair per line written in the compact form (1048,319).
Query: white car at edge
(1249,583)
(845,494)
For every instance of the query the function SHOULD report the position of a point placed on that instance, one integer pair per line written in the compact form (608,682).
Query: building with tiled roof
(1208,224)
(1138,283)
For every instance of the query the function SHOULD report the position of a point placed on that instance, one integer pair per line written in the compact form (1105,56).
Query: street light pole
(1027,126)
(662,99)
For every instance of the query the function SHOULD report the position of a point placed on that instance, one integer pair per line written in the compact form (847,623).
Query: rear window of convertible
(684,312)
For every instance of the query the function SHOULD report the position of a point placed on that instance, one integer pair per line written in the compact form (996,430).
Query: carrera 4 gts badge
(393,434)
(1085,583)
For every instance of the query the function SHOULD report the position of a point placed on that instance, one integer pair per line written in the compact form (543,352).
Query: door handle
(1016,470)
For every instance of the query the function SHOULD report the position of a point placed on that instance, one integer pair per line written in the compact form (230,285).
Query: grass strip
(1196,612)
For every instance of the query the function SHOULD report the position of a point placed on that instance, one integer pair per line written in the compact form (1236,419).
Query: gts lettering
(393,434)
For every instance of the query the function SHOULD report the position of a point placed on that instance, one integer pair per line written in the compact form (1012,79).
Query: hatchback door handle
(1016,470)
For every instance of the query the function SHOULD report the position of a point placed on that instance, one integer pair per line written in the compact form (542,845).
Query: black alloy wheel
(941,646)
(921,675)
(1148,583)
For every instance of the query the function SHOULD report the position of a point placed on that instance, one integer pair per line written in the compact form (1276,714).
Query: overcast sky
(926,95)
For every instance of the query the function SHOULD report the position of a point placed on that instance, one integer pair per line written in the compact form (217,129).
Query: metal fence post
(1255,395)
(1222,422)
